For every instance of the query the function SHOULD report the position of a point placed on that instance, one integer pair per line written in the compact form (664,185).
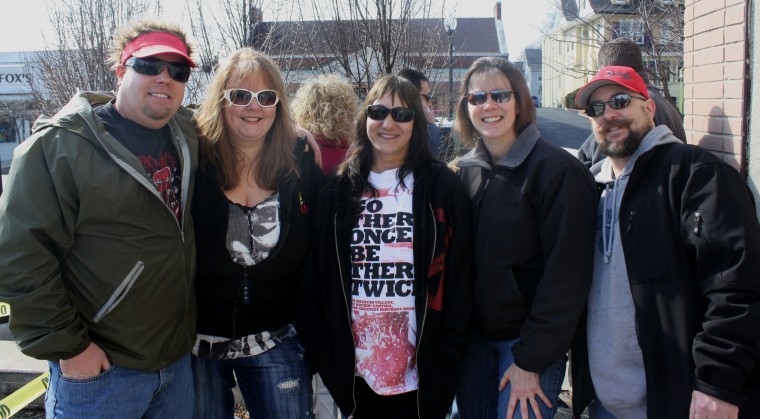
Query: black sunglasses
(243,97)
(153,67)
(380,112)
(428,97)
(498,95)
(619,101)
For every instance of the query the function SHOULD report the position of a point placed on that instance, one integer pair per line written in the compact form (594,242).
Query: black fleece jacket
(534,237)
(273,282)
(691,241)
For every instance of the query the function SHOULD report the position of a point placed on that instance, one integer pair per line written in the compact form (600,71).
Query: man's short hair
(414,76)
(142,27)
(621,52)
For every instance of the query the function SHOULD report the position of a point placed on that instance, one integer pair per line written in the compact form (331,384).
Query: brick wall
(714,76)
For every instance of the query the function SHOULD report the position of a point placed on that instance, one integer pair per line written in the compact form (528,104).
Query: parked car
(536,101)
(453,146)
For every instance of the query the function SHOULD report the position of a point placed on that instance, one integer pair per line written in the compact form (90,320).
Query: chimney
(255,19)
(257,15)
(497,10)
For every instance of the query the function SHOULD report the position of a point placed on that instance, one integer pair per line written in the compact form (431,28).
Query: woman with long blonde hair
(252,228)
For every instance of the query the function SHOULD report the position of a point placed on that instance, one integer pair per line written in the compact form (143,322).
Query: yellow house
(570,49)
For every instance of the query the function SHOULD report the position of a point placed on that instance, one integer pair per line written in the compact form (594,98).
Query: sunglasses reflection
(178,71)
(243,97)
(380,112)
(617,102)
(498,96)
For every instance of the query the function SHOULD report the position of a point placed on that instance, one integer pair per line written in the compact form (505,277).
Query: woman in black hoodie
(385,310)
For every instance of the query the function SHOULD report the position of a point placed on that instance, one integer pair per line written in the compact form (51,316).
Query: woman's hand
(525,389)
(311,142)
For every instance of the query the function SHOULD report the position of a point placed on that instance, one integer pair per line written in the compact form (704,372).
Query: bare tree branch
(76,58)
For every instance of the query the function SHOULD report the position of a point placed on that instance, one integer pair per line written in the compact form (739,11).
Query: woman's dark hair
(489,66)
(358,163)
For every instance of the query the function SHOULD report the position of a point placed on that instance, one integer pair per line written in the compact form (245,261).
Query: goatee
(623,149)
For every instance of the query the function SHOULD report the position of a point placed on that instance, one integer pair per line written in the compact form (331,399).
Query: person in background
(624,52)
(533,205)
(326,106)
(96,241)
(386,305)
(254,192)
(672,324)
(422,84)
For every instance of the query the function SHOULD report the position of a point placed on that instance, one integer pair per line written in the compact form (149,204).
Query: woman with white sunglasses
(252,213)
(385,308)
(535,208)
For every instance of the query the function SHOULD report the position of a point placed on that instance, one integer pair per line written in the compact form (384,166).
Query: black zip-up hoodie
(272,283)
(442,284)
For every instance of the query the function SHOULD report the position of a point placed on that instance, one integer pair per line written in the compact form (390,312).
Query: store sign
(15,79)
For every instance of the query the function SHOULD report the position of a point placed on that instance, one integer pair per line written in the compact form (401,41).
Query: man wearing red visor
(96,242)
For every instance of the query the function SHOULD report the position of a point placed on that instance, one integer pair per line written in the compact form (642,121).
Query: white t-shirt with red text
(383,317)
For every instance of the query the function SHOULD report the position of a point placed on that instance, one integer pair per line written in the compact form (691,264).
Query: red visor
(154,43)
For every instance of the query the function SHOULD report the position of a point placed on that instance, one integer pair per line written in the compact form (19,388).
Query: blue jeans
(166,393)
(486,360)
(597,411)
(274,384)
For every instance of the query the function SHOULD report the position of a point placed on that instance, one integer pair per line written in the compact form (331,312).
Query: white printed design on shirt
(382,271)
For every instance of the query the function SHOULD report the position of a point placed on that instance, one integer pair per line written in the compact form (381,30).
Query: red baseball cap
(613,74)
(154,43)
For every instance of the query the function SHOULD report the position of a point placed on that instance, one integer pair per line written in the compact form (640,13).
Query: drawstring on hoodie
(603,173)
(608,219)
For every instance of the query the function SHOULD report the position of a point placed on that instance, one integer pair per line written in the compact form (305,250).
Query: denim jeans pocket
(102,376)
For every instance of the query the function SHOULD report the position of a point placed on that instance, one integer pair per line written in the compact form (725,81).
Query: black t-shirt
(155,151)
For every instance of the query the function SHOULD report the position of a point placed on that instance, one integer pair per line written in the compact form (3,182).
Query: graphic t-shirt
(154,150)
(383,317)
(252,232)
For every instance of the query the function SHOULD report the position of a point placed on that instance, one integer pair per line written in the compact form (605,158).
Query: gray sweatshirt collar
(659,135)
(614,187)
(517,154)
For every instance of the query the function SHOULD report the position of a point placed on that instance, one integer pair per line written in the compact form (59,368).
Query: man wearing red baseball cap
(96,243)
(671,328)
(624,52)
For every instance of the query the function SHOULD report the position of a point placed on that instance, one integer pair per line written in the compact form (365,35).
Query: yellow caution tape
(20,398)
(5,311)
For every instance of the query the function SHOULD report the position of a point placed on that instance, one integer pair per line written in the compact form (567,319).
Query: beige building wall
(714,73)
(753,141)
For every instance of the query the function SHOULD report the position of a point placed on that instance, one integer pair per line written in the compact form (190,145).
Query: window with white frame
(632,29)
(669,32)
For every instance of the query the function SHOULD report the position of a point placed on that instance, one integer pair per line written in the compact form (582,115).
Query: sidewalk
(17,369)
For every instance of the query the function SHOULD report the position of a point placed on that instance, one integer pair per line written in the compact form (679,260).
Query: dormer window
(632,29)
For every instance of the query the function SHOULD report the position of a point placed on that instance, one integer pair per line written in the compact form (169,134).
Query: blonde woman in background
(325,106)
